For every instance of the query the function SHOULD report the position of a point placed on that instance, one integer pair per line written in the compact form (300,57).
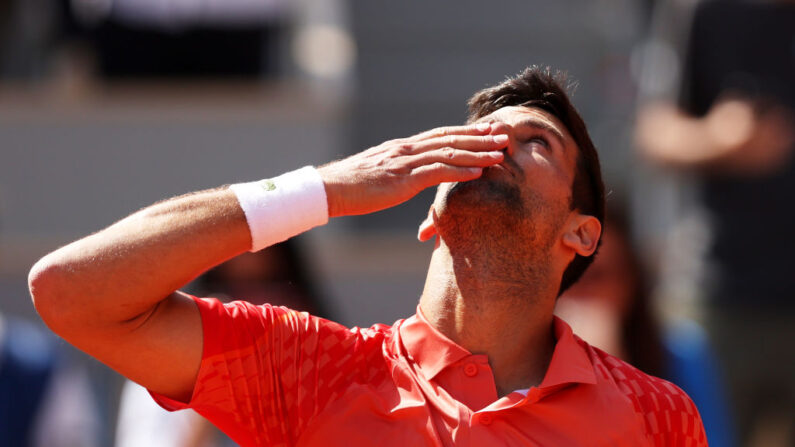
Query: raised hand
(395,171)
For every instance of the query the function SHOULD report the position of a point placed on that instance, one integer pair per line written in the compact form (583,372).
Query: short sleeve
(261,369)
(669,415)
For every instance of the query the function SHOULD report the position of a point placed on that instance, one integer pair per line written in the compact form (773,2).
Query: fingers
(470,129)
(457,153)
(466,142)
(436,173)
(457,157)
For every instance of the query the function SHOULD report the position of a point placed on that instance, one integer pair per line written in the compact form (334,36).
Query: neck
(491,308)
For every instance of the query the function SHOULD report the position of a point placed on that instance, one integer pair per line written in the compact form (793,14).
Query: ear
(582,234)
(427,227)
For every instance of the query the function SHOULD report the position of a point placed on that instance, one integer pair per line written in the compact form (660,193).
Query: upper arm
(160,349)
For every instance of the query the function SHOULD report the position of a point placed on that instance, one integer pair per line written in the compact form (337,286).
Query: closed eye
(538,139)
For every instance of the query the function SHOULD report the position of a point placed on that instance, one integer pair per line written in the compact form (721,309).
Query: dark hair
(542,88)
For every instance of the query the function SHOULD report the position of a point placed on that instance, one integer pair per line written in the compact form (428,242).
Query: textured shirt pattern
(271,376)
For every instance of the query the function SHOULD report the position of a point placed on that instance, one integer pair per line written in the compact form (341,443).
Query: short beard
(502,235)
(492,195)
(486,203)
(487,193)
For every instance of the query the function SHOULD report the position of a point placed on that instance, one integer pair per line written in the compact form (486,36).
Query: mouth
(495,170)
(500,169)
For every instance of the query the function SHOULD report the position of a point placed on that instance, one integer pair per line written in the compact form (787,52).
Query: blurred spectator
(45,397)
(277,275)
(734,131)
(610,308)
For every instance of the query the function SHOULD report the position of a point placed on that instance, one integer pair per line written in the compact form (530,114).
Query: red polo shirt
(270,376)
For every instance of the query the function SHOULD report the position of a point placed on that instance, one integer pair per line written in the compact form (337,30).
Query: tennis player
(516,220)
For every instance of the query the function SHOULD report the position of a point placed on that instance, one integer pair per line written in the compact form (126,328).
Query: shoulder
(667,412)
(245,322)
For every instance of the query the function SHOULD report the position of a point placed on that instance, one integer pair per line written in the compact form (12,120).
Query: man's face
(533,183)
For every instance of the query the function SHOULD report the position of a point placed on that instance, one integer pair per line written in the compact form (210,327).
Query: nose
(498,127)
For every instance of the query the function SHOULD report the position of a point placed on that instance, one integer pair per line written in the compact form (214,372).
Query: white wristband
(279,208)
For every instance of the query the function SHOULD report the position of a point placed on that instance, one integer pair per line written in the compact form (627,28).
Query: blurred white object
(325,51)
(144,423)
(69,417)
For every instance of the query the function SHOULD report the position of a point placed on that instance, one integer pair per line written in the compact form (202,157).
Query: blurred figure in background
(733,130)
(277,275)
(46,398)
(610,307)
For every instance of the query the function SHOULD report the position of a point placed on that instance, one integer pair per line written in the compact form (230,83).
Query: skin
(737,137)
(114,294)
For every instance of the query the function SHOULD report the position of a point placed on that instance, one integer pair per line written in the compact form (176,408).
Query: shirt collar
(570,362)
(433,352)
(428,347)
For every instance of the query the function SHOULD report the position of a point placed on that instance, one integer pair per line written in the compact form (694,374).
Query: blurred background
(107,106)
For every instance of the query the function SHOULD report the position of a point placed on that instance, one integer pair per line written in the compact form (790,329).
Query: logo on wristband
(268,185)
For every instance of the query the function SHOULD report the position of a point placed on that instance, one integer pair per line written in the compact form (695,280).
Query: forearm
(669,137)
(126,269)
(732,138)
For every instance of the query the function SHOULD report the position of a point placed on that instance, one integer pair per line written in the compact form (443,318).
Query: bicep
(160,349)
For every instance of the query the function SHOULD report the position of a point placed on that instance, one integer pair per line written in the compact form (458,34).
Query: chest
(409,410)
